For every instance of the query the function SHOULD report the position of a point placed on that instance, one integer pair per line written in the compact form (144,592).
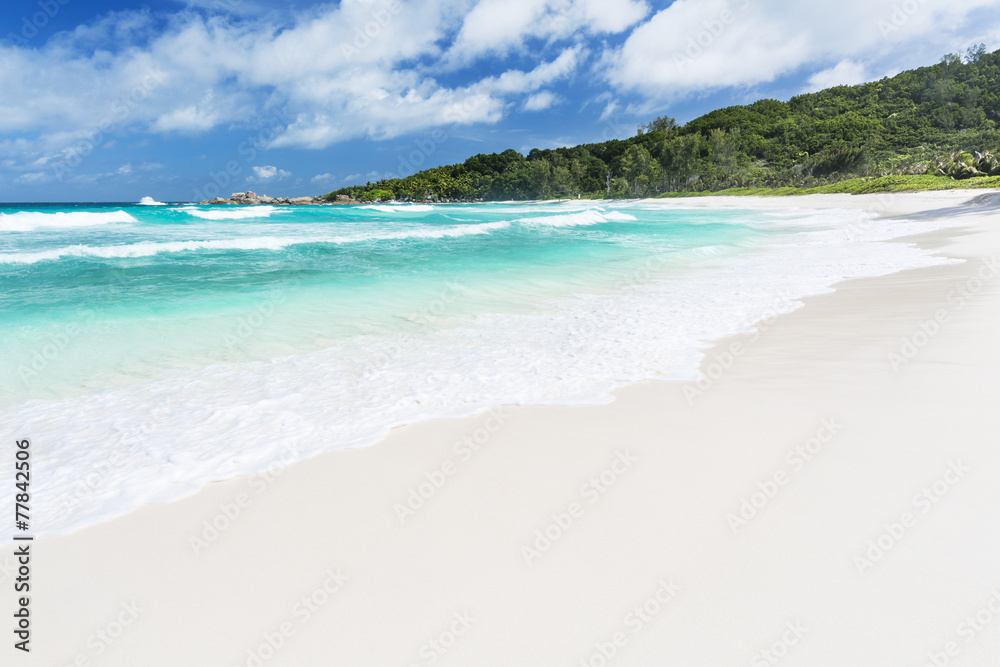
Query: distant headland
(250,198)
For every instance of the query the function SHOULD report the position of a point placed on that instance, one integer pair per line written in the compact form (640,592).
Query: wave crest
(149,248)
(233,213)
(26,221)
(398,208)
(591,216)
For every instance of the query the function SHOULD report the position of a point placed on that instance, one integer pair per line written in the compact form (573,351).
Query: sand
(827,496)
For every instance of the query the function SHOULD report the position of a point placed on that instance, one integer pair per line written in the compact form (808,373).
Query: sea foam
(272,243)
(26,221)
(398,208)
(231,212)
(592,216)
(158,440)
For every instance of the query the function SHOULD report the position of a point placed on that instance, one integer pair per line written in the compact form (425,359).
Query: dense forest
(930,120)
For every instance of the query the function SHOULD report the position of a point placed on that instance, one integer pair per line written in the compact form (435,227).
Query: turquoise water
(148,350)
(98,296)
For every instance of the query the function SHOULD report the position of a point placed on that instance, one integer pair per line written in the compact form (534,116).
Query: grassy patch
(857,186)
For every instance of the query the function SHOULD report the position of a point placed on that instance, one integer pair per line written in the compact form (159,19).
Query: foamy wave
(589,217)
(450,232)
(233,213)
(26,221)
(159,440)
(149,201)
(618,216)
(399,208)
(149,248)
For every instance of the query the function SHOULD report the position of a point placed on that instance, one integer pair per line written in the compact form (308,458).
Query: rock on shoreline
(250,198)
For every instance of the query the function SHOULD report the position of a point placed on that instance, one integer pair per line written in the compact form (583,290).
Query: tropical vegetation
(925,128)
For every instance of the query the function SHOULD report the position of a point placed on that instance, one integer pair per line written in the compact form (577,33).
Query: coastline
(677,467)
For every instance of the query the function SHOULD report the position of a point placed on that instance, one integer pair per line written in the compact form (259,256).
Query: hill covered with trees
(932,120)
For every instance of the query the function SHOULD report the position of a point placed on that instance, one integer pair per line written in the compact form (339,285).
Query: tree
(896,125)
(637,169)
(724,147)
(975,53)
(661,123)
(679,157)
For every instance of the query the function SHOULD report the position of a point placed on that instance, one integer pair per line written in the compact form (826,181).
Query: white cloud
(499,26)
(844,73)
(516,81)
(700,45)
(540,101)
(32,177)
(189,119)
(125,168)
(323,178)
(270,171)
(379,69)
(345,71)
(609,109)
(384,105)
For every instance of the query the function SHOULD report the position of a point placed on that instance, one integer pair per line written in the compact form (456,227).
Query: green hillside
(933,121)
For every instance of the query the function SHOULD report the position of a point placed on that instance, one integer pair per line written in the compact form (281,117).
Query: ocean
(150,349)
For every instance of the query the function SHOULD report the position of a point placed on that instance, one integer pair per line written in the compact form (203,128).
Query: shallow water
(150,349)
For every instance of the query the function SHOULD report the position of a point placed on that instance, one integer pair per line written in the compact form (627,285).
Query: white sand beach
(827,496)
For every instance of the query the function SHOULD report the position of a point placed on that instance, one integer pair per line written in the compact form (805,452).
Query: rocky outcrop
(251,198)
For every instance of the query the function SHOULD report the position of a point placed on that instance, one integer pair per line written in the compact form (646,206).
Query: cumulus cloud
(345,71)
(267,172)
(387,104)
(499,26)
(699,45)
(844,73)
(382,68)
(540,101)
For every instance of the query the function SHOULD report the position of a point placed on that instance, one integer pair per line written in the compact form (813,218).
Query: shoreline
(460,554)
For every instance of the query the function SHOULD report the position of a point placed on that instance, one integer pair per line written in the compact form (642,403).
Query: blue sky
(184,100)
